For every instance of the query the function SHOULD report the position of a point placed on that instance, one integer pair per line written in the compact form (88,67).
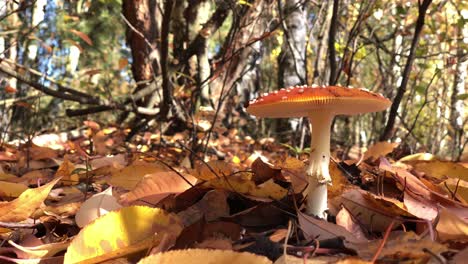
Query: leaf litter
(67,200)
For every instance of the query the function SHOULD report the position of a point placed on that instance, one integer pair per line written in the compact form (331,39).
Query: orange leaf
(10,89)
(82,36)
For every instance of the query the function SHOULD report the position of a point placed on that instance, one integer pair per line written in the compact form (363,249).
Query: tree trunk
(292,59)
(143,32)
(457,105)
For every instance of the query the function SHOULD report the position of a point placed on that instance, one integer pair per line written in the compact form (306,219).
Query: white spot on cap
(265,94)
(314,85)
(300,91)
(275,92)
(284,98)
(282,89)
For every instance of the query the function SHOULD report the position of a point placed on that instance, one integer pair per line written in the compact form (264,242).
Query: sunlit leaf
(120,233)
(205,256)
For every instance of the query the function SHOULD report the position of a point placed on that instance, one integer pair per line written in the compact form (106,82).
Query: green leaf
(462,96)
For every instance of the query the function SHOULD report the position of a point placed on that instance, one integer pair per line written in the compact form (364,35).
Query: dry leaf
(451,226)
(96,206)
(241,183)
(82,36)
(24,206)
(212,170)
(11,189)
(154,187)
(442,169)
(211,207)
(123,232)
(204,256)
(41,251)
(319,229)
(131,175)
(379,149)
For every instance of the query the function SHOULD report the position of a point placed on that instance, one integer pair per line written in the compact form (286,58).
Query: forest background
(192,66)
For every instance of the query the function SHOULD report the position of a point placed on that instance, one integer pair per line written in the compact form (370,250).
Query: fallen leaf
(154,187)
(399,247)
(346,220)
(263,171)
(211,207)
(319,229)
(11,189)
(96,206)
(241,183)
(451,226)
(204,256)
(442,169)
(120,233)
(212,170)
(379,149)
(41,251)
(24,206)
(131,175)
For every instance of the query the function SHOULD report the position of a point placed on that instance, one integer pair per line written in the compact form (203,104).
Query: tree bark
(143,32)
(292,59)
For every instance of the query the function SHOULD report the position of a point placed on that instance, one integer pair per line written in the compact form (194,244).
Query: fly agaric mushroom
(320,105)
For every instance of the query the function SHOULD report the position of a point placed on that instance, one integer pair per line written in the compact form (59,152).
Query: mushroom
(320,105)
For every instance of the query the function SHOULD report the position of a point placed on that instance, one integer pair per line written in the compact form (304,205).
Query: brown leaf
(319,229)
(82,36)
(158,185)
(263,172)
(212,206)
(451,226)
(200,256)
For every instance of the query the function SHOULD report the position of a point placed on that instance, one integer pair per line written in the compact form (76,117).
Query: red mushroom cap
(299,101)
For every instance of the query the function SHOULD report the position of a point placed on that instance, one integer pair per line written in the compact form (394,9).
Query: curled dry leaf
(96,206)
(123,232)
(346,220)
(375,212)
(419,191)
(156,186)
(41,251)
(24,206)
(263,171)
(204,256)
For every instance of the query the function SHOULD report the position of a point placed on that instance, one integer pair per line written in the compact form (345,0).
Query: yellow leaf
(204,256)
(22,207)
(65,171)
(442,169)
(11,189)
(123,62)
(131,175)
(123,232)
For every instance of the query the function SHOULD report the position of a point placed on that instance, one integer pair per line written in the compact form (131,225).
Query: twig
(384,240)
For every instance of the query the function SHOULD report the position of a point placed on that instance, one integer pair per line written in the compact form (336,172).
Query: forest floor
(93,197)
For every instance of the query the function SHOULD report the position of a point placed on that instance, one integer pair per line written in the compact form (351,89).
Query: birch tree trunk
(292,61)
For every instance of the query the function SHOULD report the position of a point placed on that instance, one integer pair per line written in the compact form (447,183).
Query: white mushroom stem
(318,173)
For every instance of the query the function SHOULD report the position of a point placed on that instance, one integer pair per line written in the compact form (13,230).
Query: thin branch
(406,72)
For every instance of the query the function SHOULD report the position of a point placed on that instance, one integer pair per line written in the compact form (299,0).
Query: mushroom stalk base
(317,172)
